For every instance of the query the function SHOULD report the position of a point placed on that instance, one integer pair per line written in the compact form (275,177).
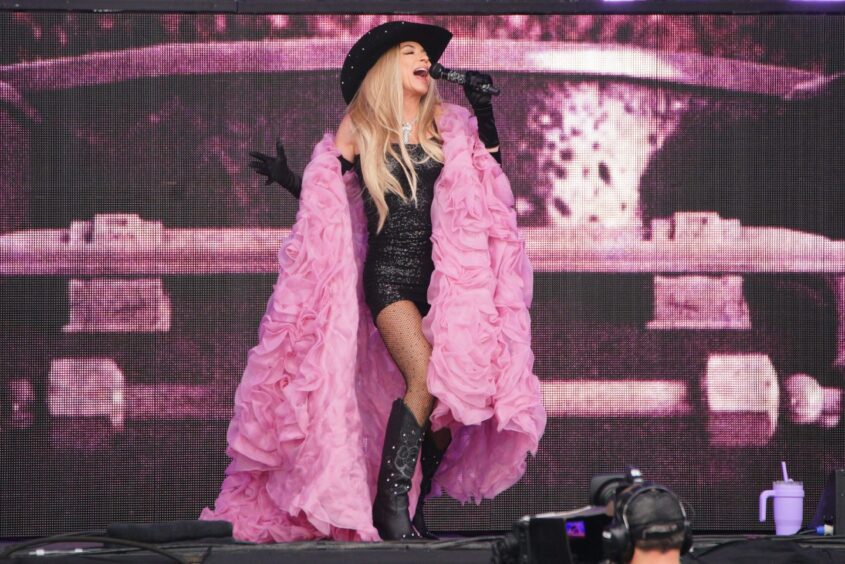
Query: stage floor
(457,550)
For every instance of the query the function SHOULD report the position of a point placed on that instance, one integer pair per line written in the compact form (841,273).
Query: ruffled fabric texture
(479,326)
(310,411)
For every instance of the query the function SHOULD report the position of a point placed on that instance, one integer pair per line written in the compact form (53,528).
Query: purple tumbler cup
(788,506)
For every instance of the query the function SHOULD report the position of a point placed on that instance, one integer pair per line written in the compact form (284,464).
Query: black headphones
(617,538)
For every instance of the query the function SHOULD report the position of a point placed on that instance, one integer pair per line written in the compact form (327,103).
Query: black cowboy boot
(398,460)
(430,459)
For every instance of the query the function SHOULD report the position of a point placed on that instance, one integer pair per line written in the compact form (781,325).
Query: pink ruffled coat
(309,415)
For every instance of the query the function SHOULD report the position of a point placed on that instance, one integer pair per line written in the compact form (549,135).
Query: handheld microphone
(440,72)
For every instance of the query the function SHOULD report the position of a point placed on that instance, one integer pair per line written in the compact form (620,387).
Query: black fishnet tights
(400,325)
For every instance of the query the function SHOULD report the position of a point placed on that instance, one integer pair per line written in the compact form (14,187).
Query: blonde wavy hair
(376,113)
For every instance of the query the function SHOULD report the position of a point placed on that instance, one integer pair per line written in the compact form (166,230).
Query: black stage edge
(437,6)
(471,550)
(454,551)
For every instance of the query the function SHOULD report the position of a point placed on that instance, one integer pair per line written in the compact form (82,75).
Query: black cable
(88,533)
(710,549)
(6,554)
(822,540)
(809,539)
(797,539)
(442,544)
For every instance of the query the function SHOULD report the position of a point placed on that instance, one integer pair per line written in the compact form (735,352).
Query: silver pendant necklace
(406,130)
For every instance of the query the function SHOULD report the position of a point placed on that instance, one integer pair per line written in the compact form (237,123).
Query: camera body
(596,533)
(568,537)
(605,487)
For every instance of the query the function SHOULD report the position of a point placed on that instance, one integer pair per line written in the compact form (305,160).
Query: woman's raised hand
(478,99)
(276,169)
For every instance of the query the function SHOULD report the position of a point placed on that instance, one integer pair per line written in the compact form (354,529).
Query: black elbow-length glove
(276,169)
(482,106)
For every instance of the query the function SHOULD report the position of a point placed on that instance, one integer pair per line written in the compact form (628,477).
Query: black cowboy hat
(378,40)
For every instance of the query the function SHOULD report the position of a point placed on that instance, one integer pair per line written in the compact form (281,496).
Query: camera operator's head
(649,525)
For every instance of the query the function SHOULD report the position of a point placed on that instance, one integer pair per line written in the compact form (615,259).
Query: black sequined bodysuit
(399,262)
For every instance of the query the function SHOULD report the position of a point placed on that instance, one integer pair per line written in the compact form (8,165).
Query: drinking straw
(785,475)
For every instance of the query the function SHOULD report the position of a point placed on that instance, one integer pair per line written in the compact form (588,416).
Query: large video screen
(678,179)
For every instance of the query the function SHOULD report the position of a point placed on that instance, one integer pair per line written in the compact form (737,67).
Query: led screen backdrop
(678,179)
